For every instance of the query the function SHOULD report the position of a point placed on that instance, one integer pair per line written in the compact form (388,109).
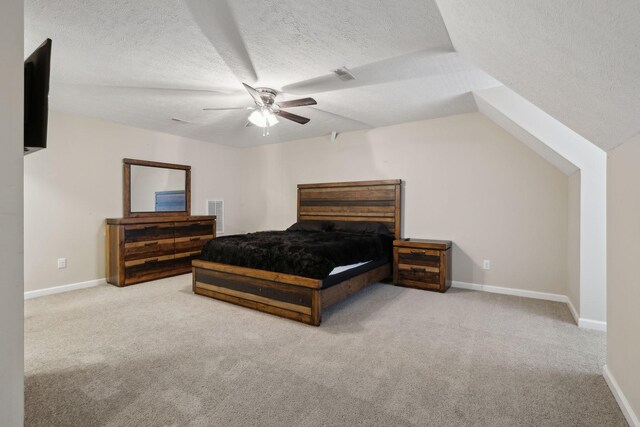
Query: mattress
(300,253)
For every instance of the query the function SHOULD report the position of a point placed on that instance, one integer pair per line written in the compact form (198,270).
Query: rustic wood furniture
(422,264)
(301,298)
(143,249)
(126,193)
(145,246)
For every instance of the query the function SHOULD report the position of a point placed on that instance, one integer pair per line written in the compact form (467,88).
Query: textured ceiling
(144,62)
(577,60)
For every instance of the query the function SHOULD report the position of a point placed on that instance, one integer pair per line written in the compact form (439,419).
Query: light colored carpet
(155,354)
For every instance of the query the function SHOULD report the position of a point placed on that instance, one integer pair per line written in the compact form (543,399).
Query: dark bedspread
(301,253)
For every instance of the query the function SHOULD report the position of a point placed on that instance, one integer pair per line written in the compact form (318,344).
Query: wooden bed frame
(301,298)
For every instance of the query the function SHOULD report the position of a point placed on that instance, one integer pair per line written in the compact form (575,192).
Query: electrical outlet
(486,264)
(62,263)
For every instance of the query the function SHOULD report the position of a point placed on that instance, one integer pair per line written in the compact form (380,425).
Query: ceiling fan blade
(229,108)
(423,63)
(297,103)
(215,19)
(293,117)
(254,94)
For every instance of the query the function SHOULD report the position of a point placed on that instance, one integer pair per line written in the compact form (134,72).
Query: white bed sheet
(341,268)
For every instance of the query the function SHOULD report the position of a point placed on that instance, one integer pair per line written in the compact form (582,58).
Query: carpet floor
(155,354)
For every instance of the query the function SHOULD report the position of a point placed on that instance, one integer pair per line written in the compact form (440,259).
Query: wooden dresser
(422,264)
(143,249)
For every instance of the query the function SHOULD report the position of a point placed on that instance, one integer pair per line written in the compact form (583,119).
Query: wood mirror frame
(127,163)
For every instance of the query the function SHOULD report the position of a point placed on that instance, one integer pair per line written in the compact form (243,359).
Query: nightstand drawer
(423,257)
(419,276)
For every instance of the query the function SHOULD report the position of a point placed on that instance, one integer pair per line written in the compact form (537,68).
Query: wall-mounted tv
(36,98)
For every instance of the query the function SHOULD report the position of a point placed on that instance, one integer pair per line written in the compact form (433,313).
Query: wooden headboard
(377,201)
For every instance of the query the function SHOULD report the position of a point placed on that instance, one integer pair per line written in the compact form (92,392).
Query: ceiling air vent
(344,74)
(216,207)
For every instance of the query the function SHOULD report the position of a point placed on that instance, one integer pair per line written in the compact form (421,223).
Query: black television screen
(36,98)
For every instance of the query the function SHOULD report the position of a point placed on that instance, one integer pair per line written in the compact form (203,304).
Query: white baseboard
(64,288)
(573,311)
(583,323)
(510,291)
(631,417)
(596,325)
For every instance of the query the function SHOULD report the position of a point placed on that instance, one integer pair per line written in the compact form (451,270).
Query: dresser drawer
(150,261)
(191,229)
(141,233)
(148,249)
(183,261)
(149,269)
(191,243)
(419,257)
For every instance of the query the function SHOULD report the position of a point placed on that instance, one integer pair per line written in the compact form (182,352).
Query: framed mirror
(156,189)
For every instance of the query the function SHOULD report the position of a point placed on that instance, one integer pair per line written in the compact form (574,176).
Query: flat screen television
(36,98)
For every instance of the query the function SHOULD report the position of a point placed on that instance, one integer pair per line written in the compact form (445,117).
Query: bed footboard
(293,297)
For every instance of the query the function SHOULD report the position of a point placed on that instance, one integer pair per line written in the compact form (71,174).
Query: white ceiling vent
(344,74)
(216,207)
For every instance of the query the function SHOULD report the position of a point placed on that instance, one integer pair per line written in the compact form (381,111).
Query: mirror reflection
(155,189)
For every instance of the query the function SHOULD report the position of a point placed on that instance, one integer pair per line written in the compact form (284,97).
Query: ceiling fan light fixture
(263,118)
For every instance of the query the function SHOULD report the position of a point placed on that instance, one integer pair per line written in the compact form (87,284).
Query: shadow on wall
(463,266)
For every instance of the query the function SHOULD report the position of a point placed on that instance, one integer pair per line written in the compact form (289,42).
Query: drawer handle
(149,227)
(413,251)
(195,239)
(418,269)
(151,244)
(151,261)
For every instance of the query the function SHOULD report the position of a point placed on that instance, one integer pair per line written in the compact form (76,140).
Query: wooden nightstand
(422,264)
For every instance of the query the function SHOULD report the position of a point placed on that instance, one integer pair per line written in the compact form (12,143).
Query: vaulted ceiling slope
(577,60)
(144,62)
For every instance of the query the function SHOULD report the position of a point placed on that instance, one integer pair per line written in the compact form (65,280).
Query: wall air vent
(216,207)
(344,74)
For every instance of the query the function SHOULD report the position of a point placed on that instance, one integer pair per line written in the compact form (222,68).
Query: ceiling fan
(266,108)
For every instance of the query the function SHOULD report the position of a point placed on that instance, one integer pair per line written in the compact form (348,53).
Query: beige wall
(623,282)
(11,307)
(467,180)
(573,242)
(71,187)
